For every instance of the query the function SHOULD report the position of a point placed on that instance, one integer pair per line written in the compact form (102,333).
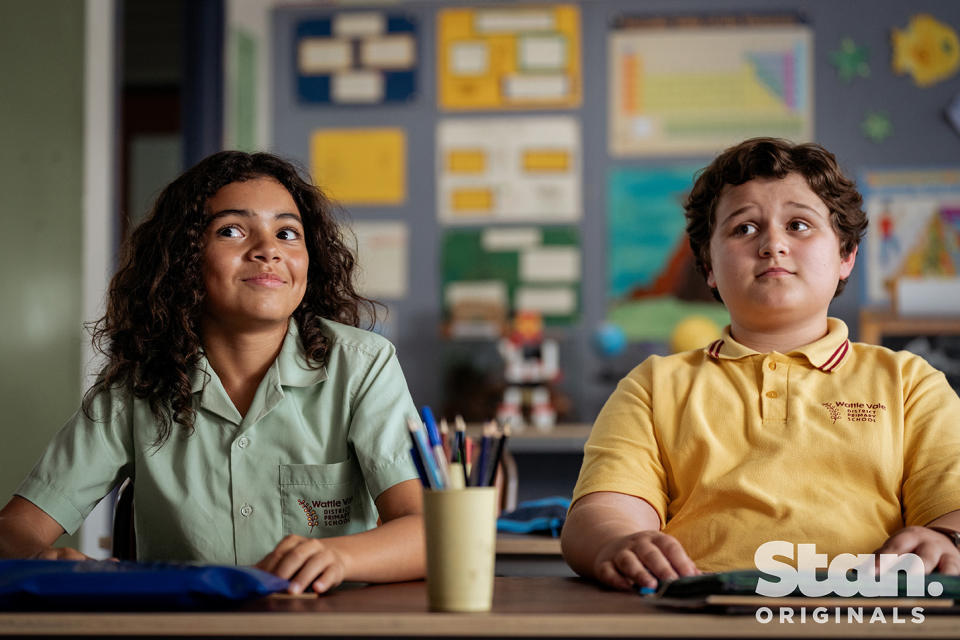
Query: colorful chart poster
(696,86)
(382,259)
(521,169)
(501,58)
(360,166)
(914,229)
(367,57)
(653,282)
(489,274)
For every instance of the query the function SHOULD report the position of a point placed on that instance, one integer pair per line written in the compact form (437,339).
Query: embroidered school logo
(334,512)
(312,519)
(854,411)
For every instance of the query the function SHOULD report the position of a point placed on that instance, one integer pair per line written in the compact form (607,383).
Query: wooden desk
(523,607)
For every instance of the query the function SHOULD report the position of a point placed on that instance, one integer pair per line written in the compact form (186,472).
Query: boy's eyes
(288,233)
(228,231)
(748,228)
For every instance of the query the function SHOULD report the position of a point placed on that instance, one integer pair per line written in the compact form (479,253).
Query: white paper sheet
(550,264)
(382,253)
(516,193)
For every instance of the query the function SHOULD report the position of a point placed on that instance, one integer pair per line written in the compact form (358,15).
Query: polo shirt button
(243,442)
(772,394)
(772,365)
(246,510)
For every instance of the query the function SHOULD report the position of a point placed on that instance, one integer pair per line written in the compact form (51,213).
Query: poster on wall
(382,258)
(504,57)
(360,166)
(490,273)
(698,85)
(652,281)
(351,58)
(520,169)
(913,240)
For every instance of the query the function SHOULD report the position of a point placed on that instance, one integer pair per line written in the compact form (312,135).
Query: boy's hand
(305,562)
(935,549)
(643,559)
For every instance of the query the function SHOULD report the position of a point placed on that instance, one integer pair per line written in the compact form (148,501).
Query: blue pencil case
(72,585)
(545,516)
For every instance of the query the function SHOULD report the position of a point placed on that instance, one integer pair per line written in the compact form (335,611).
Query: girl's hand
(306,562)
(61,553)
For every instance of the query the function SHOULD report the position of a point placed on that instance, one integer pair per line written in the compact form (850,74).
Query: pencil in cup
(431,476)
(436,444)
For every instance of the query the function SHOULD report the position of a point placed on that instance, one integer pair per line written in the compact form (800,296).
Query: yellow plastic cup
(461,548)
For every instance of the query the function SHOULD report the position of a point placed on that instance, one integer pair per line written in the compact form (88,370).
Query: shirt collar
(291,365)
(828,353)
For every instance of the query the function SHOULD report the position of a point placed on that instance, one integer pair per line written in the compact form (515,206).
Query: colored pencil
(461,441)
(436,445)
(498,454)
(435,480)
(479,473)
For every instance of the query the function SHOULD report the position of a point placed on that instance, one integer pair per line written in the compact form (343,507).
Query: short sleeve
(931,470)
(85,460)
(622,453)
(378,426)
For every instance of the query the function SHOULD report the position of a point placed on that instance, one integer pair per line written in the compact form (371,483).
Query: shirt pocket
(318,500)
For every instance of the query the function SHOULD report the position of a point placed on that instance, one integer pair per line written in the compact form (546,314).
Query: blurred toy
(531,364)
(693,332)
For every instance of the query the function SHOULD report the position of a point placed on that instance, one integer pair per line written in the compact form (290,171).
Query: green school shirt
(313,451)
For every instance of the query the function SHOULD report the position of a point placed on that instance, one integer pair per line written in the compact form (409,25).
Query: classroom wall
(921,137)
(41,173)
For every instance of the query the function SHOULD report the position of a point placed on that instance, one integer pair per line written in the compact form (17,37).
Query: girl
(259,424)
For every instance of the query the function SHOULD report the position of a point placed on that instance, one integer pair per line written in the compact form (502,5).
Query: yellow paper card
(360,166)
(467,161)
(546,160)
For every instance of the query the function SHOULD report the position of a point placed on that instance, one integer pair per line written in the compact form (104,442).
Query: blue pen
(429,462)
(436,444)
(418,463)
(432,432)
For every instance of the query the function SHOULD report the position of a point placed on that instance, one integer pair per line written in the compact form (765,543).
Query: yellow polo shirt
(314,450)
(836,443)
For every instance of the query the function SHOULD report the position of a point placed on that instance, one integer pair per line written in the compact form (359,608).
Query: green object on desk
(744,583)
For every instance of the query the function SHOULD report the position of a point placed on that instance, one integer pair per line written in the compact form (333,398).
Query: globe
(609,340)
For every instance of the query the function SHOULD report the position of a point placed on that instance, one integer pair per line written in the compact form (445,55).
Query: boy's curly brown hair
(774,158)
(150,330)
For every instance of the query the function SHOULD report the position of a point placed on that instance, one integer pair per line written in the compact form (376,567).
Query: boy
(783,429)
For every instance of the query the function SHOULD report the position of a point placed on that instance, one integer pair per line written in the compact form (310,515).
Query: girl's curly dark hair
(150,330)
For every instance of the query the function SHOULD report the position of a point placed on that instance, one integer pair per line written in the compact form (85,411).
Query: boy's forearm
(595,521)
(947,521)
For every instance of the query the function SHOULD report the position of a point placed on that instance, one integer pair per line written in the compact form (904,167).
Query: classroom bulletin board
(563,127)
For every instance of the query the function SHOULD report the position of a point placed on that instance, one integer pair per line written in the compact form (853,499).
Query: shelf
(876,323)
(563,438)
